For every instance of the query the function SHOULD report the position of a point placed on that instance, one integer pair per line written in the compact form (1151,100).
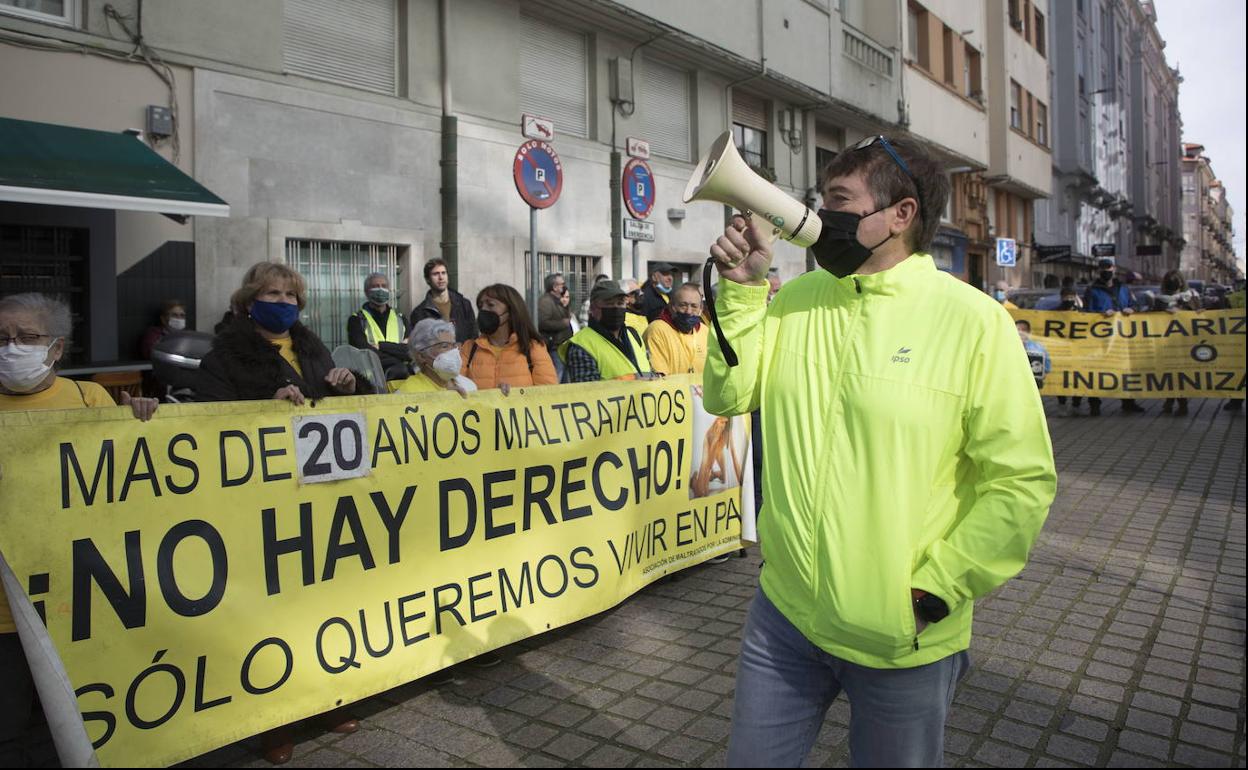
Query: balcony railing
(863,50)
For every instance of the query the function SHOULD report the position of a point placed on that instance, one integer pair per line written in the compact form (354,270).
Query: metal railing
(857,46)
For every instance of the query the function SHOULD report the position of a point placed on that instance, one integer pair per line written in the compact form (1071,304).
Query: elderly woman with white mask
(34,330)
(436,361)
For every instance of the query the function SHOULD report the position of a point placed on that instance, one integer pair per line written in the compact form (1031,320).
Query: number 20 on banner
(331,447)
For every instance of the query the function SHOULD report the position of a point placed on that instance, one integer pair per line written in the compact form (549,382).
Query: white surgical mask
(177,324)
(23,367)
(448,364)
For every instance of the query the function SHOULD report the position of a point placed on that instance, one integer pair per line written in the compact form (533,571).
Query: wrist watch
(929,608)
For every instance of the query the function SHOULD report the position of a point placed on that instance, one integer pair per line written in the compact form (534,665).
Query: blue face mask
(277,317)
(663,289)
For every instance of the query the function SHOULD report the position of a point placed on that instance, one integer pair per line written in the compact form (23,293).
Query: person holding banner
(436,360)
(677,341)
(34,333)
(265,352)
(607,349)
(1109,296)
(1175,296)
(510,352)
(908,471)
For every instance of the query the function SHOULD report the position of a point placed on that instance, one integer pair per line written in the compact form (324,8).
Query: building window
(63,12)
(335,272)
(751,143)
(52,261)
(947,41)
(554,75)
(1016,106)
(1039,33)
(1016,14)
(919,45)
(972,74)
(1042,124)
(664,107)
(357,47)
(578,272)
(749,128)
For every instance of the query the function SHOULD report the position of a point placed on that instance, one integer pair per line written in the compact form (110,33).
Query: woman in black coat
(264,352)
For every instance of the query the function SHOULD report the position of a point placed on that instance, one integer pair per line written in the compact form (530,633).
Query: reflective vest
(612,363)
(394,332)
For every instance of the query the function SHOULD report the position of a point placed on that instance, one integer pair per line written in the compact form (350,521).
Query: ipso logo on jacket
(902,356)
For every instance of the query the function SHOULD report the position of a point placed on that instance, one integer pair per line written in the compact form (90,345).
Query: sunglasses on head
(888,148)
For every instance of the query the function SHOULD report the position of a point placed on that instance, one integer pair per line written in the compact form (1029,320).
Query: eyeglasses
(23,339)
(888,148)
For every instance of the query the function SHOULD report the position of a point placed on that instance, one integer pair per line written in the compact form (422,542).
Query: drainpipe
(450,152)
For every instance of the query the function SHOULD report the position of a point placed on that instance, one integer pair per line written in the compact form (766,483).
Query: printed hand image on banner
(200,588)
(1144,355)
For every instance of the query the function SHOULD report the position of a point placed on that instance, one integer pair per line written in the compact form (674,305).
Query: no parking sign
(538,174)
(637,187)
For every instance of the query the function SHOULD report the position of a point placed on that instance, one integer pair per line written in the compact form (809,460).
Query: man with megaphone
(908,465)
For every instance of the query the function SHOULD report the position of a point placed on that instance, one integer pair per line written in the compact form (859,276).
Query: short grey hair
(629,285)
(550,280)
(371,276)
(52,312)
(426,333)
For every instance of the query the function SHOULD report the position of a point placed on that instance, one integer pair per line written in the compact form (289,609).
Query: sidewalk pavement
(1121,644)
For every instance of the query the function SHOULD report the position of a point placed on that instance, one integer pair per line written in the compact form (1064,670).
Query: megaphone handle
(769,229)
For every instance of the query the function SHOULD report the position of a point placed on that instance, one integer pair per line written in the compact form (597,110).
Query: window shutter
(749,110)
(664,107)
(554,75)
(349,44)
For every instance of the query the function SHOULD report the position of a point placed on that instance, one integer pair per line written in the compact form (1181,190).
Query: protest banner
(228,568)
(1144,355)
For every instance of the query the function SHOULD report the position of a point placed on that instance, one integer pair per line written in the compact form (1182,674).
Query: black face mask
(488,321)
(1067,305)
(685,322)
(612,319)
(838,249)
(1107,275)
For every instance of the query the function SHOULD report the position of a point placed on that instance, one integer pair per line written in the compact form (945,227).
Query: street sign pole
(534,266)
(637,262)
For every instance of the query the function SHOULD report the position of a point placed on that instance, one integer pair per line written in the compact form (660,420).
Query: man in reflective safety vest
(378,326)
(607,349)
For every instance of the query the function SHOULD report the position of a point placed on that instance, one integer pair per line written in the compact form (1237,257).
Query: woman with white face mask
(172,319)
(34,330)
(436,361)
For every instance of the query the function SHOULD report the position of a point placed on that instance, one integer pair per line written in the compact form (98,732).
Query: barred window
(335,273)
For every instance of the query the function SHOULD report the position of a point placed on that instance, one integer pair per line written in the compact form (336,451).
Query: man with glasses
(908,465)
(677,341)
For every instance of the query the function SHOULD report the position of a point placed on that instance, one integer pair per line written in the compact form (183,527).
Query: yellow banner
(1143,355)
(228,568)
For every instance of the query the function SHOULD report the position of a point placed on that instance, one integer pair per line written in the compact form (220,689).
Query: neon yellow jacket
(905,447)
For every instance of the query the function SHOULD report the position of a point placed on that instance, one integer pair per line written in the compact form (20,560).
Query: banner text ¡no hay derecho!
(201,584)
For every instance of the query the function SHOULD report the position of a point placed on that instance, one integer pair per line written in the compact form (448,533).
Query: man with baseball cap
(606,349)
(656,292)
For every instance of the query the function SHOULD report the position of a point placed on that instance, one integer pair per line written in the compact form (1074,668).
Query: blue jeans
(785,685)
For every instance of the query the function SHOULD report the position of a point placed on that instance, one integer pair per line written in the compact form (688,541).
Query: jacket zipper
(836,389)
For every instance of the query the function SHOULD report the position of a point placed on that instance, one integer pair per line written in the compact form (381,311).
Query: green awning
(64,166)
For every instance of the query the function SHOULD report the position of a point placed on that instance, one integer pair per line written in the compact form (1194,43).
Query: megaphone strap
(730,355)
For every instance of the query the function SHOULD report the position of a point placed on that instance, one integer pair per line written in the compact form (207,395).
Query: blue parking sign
(1007,252)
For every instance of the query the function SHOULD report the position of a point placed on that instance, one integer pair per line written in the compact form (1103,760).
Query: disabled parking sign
(538,174)
(1007,252)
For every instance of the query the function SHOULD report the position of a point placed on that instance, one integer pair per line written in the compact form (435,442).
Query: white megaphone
(722,176)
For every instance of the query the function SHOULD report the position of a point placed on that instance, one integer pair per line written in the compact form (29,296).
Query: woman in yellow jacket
(510,352)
